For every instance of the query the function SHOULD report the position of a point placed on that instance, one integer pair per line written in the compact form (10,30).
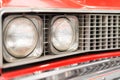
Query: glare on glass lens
(20,37)
(62,34)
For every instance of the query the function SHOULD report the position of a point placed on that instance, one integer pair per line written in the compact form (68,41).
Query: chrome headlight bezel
(39,45)
(73,20)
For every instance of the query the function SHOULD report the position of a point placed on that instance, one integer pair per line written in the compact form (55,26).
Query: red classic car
(59,39)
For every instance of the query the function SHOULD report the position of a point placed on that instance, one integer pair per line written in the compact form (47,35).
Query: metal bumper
(73,68)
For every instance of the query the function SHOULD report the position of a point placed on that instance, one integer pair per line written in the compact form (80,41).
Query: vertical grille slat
(46,20)
(45,34)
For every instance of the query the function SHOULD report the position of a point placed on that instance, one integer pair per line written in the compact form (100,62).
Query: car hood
(81,4)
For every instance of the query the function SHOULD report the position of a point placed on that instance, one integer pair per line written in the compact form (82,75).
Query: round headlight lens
(62,34)
(20,37)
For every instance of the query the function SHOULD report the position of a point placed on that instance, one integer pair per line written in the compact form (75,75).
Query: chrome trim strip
(52,73)
(55,10)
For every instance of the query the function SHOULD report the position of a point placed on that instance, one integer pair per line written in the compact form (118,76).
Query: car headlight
(21,37)
(64,34)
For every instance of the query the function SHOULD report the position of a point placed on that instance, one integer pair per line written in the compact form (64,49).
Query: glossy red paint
(60,63)
(37,3)
(103,3)
(81,4)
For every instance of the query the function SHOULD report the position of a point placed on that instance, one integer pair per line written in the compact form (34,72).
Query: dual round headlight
(64,34)
(23,36)
(20,37)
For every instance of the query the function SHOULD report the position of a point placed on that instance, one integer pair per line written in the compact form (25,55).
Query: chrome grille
(99,32)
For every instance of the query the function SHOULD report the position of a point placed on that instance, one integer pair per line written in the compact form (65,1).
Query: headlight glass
(64,33)
(20,37)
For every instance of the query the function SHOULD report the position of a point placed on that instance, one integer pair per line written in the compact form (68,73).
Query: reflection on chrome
(74,70)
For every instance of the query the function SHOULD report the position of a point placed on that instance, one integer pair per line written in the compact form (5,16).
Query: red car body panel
(81,4)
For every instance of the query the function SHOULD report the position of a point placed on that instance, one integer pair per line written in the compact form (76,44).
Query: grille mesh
(99,32)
